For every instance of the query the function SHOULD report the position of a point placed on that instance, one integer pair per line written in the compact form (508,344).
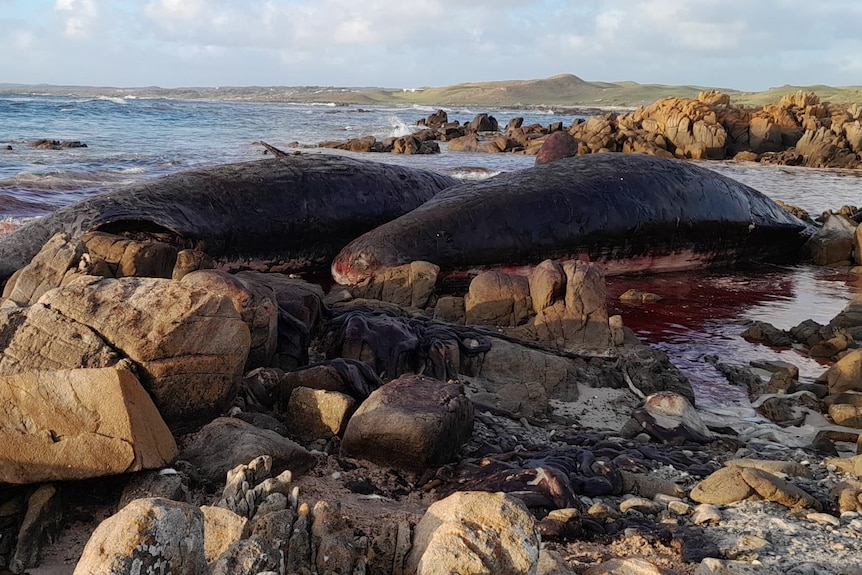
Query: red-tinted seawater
(704,313)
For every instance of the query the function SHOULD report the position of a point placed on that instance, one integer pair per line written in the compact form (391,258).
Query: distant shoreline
(564,92)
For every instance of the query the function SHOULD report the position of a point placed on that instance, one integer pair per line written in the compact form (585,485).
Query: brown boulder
(412,423)
(497,298)
(77,424)
(409,285)
(130,258)
(147,532)
(226,443)
(190,344)
(317,413)
(578,321)
(40,338)
(557,146)
(845,374)
(833,243)
(256,306)
(56,263)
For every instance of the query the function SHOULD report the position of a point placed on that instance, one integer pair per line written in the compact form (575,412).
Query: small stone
(705,514)
(824,518)
(640,504)
(679,507)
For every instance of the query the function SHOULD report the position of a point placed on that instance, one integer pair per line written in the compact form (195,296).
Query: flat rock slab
(410,423)
(227,442)
(77,424)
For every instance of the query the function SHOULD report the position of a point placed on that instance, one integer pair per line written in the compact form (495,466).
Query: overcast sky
(742,44)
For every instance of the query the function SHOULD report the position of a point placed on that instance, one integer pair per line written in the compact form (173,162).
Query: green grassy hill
(562,90)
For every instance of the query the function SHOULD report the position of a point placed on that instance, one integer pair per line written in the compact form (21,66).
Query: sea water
(131,139)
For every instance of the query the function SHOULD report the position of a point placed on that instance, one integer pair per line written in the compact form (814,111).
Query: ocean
(130,139)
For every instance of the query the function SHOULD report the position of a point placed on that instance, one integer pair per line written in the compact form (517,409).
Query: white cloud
(79,16)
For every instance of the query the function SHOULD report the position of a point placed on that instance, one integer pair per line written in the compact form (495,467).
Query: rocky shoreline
(798,130)
(161,415)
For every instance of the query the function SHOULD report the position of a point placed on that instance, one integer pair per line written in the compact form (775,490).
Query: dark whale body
(628,212)
(285,214)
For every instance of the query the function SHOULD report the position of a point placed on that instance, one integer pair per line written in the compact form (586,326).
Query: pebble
(824,518)
(705,514)
(680,507)
(639,504)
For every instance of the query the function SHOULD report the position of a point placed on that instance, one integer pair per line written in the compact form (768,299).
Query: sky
(740,44)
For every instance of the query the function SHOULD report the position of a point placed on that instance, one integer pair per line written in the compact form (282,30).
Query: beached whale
(628,212)
(285,214)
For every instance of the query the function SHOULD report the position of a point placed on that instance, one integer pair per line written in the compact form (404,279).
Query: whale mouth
(149,231)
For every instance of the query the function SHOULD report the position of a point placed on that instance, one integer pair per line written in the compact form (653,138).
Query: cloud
(80,17)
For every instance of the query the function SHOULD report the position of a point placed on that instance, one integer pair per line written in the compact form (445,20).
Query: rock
(483,123)
(337,551)
(507,362)
(832,243)
(775,489)
(56,262)
(147,536)
(712,566)
(850,464)
(850,318)
(772,466)
(760,331)
(222,528)
(705,514)
(846,415)
(628,566)
(274,528)
(634,296)
(475,532)
(226,443)
(722,487)
(256,306)
(147,484)
(547,284)
(823,148)
(497,299)
(409,285)
(557,146)
(189,261)
(250,556)
(845,374)
(580,320)
(76,424)
(561,525)
(412,423)
(318,414)
(130,258)
(450,309)
(688,125)
(640,504)
(42,522)
(190,343)
(38,338)
(552,563)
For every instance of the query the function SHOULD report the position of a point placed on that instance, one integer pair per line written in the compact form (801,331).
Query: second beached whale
(628,212)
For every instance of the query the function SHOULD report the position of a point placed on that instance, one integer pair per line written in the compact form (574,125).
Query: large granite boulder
(409,285)
(191,344)
(147,536)
(256,306)
(40,338)
(475,532)
(77,424)
(411,423)
(845,374)
(832,243)
(56,263)
(497,298)
(579,319)
(690,125)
